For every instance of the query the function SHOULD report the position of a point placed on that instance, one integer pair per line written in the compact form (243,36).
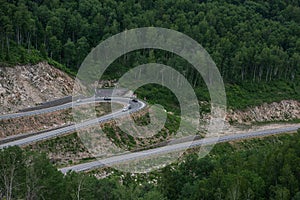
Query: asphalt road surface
(62,107)
(135,106)
(173,148)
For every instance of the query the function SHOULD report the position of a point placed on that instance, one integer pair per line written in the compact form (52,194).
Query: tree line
(249,40)
(256,169)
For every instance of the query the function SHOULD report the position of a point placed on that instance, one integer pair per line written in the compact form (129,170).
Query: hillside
(255,41)
(22,86)
(255,44)
(255,169)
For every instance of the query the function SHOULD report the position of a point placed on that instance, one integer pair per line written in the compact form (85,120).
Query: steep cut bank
(27,85)
(285,110)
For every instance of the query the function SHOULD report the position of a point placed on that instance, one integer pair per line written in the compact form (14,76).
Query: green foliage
(256,169)
(249,94)
(257,56)
(28,174)
(20,55)
(266,168)
(119,137)
(262,47)
(61,67)
(255,45)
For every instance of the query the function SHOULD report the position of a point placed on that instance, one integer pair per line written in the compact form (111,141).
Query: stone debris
(28,85)
(285,110)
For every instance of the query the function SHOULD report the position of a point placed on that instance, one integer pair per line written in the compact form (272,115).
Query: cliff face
(277,111)
(24,86)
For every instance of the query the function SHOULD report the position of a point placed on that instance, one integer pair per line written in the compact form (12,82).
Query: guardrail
(71,128)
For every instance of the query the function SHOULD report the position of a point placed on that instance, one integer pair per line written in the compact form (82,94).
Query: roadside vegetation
(261,168)
(47,121)
(69,149)
(255,44)
(256,47)
(63,151)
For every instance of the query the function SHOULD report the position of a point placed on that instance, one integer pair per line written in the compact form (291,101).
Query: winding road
(173,148)
(135,106)
(129,156)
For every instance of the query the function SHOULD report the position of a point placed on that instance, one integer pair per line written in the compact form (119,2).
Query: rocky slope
(27,85)
(46,121)
(285,110)
(24,86)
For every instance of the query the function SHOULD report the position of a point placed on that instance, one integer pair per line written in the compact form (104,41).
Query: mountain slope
(27,85)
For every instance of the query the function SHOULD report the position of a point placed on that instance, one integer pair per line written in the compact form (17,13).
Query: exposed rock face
(46,121)
(32,124)
(283,111)
(23,86)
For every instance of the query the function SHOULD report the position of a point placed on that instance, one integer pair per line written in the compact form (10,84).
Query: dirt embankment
(33,124)
(27,85)
(285,110)
(24,86)
(71,149)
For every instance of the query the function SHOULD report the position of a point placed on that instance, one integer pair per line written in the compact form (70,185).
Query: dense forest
(256,46)
(257,169)
(249,40)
